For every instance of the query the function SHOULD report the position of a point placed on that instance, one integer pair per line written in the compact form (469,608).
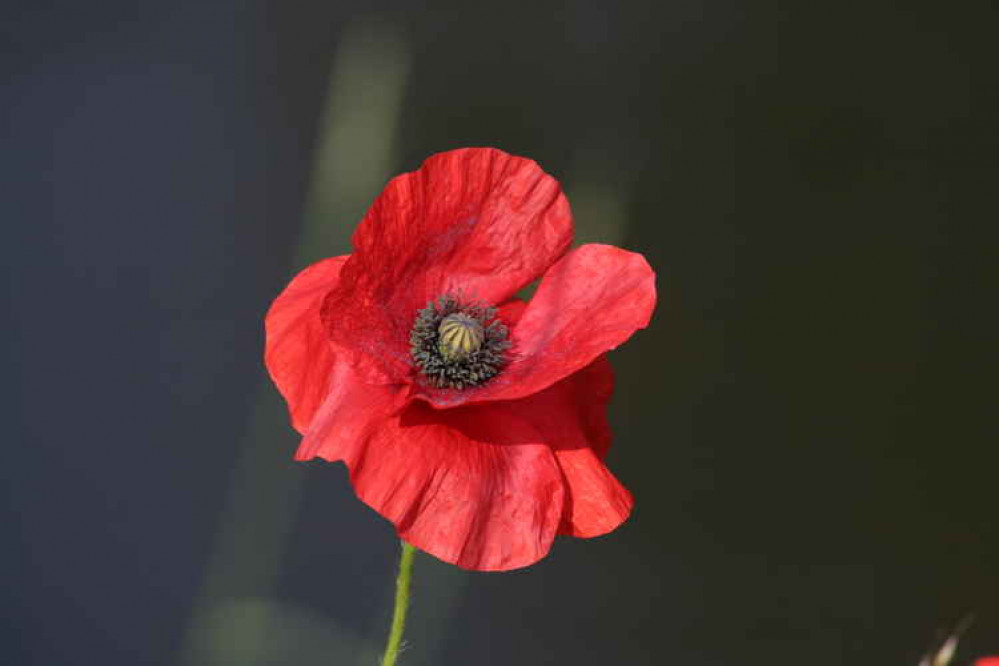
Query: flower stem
(401,605)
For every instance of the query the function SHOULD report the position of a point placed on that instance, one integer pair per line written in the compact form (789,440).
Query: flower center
(458,345)
(459,336)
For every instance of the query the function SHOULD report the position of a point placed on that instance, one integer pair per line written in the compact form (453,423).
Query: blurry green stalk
(401,605)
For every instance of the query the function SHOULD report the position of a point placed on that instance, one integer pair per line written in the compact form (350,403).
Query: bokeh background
(809,425)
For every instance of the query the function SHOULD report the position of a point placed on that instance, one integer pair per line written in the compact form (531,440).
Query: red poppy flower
(988,661)
(472,420)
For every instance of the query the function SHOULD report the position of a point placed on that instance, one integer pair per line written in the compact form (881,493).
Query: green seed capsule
(458,336)
(458,345)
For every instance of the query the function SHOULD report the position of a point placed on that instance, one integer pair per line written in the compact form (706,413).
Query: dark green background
(808,426)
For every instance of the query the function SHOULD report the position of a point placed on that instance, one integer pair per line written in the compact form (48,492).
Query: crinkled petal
(589,302)
(475,487)
(349,415)
(572,416)
(298,353)
(511,311)
(586,395)
(596,502)
(474,220)
(477,223)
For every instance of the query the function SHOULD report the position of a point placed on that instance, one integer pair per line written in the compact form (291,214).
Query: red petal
(988,661)
(475,222)
(589,302)
(511,311)
(298,353)
(589,392)
(572,416)
(475,487)
(596,502)
(350,413)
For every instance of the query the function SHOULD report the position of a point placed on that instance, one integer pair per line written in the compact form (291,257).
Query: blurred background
(808,426)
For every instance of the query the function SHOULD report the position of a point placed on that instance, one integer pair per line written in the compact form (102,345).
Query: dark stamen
(457,345)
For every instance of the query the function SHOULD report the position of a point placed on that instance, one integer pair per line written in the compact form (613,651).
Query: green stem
(401,604)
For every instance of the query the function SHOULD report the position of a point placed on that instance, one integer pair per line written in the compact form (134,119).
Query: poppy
(474,421)
(988,661)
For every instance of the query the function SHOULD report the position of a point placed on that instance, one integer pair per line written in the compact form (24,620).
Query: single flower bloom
(988,661)
(472,420)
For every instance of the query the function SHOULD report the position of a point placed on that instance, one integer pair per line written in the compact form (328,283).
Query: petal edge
(298,354)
